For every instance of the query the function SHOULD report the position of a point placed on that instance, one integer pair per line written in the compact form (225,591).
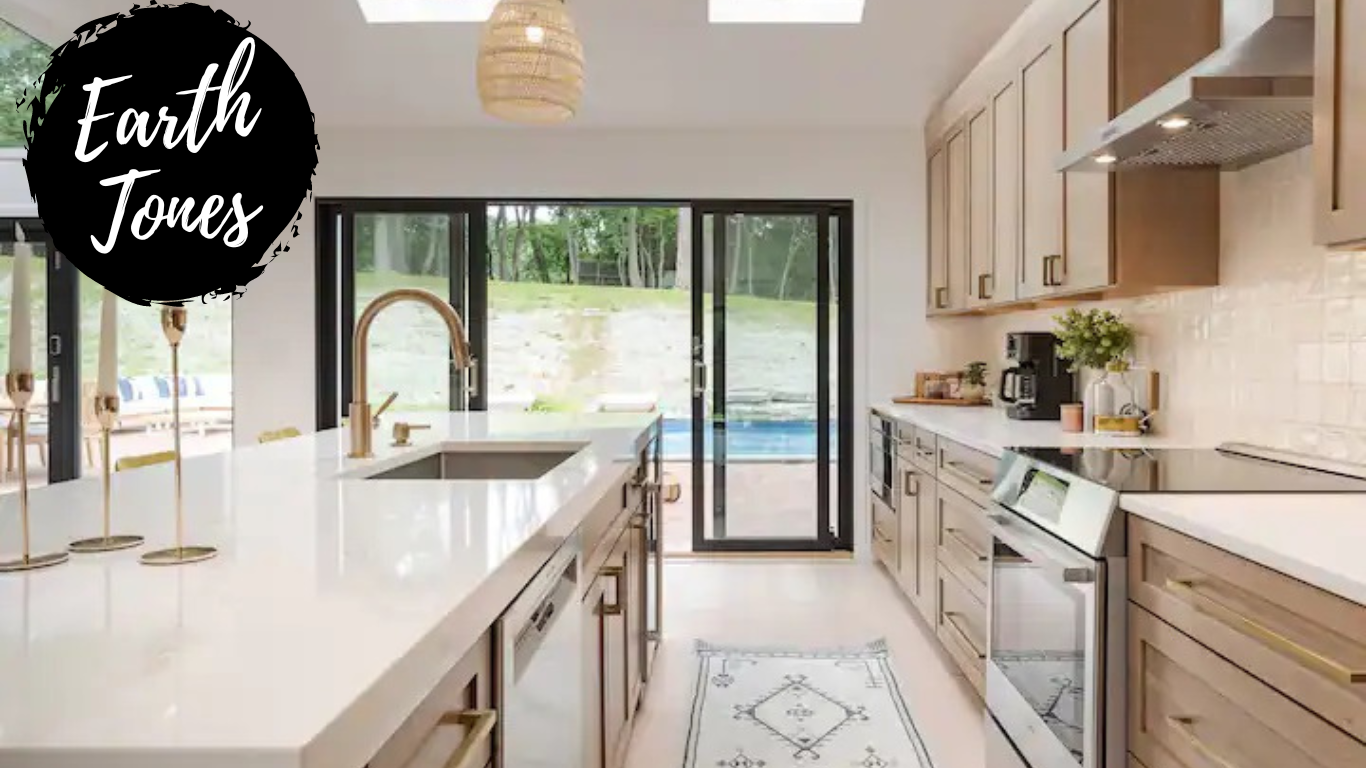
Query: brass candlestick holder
(107,413)
(19,387)
(173,322)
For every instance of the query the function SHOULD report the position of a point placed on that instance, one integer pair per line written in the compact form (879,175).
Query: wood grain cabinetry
(917,554)
(1340,123)
(1060,73)
(937,195)
(981,259)
(1041,98)
(454,725)
(1190,708)
(934,545)
(1232,663)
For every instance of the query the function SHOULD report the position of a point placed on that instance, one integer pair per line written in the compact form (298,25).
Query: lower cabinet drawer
(1304,642)
(963,539)
(456,720)
(1189,708)
(967,470)
(886,537)
(962,628)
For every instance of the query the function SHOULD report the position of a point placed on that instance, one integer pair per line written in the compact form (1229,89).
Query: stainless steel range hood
(1249,101)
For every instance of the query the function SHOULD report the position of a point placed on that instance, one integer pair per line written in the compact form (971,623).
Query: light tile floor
(804,604)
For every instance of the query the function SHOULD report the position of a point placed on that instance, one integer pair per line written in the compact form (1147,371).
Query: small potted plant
(1100,340)
(975,381)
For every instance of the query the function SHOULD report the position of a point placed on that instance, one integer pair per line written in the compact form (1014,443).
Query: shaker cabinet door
(957,272)
(937,193)
(981,272)
(1041,91)
(1340,123)
(1005,194)
(1087,246)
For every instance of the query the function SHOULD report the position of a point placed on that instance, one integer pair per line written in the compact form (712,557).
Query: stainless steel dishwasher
(541,668)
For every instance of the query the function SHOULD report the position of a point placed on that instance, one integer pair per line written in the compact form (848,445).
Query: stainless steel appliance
(541,668)
(1056,663)
(1038,383)
(1250,100)
(882,447)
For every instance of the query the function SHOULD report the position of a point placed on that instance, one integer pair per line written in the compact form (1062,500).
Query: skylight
(785,11)
(398,11)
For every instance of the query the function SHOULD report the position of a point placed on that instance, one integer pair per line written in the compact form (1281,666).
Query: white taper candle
(108,382)
(21,309)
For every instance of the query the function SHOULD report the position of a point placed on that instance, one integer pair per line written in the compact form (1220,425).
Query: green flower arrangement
(1097,338)
(976,374)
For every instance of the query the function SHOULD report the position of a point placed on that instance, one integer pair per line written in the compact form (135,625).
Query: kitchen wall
(1277,353)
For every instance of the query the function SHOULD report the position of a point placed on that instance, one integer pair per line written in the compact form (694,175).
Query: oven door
(882,474)
(1045,640)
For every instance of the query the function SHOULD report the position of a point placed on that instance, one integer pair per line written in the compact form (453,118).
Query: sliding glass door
(372,247)
(769,348)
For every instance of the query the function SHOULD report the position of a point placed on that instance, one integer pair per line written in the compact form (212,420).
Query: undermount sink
(483,463)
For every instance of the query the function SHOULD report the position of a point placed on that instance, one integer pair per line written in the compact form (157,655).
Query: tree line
(644,247)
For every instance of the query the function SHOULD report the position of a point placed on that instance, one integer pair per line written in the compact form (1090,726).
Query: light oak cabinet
(916,565)
(937,195)
(1086,249)
(934,545)
(981,260)
(1060,73)
(1232,663)
(1041,90)
(1004,191)
(1340,123)
(455,724)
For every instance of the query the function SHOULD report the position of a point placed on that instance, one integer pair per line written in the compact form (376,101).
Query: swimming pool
(748,439)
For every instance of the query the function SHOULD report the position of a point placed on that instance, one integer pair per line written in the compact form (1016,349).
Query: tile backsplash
(1276,354)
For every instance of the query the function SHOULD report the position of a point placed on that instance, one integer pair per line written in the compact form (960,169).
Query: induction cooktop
(1233,468)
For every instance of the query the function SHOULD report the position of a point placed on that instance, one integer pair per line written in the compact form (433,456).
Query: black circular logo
(169,151)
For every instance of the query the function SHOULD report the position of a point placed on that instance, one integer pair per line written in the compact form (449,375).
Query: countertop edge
(1313,574)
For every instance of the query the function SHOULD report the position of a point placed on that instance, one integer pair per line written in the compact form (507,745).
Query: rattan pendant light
(530,67)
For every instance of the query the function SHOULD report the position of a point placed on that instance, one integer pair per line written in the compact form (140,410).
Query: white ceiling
(650,63)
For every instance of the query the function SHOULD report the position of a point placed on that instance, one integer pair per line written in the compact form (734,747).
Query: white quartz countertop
(332,609)
(1315,538)
(989,430)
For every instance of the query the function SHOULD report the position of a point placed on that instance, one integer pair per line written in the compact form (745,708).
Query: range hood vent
(1247,102)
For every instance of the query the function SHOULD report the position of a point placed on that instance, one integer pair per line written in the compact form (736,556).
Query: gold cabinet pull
(911,479)
(957,536)
(614,572)
(982,286)
(1334,669)
(940,297)
(480,723)
(1186,727)
(951,621)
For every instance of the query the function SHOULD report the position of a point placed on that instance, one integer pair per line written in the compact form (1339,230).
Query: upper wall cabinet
(1340,123)
(1032,233)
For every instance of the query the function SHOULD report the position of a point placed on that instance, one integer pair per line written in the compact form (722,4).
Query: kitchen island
(334,607)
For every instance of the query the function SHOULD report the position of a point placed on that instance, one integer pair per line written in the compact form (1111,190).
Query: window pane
(22,60)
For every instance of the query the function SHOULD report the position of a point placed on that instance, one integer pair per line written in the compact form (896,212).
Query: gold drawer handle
(1186,726)
(480,722)
(962,469)
(956,535)
(910,481)
(1334,669)
(951,619)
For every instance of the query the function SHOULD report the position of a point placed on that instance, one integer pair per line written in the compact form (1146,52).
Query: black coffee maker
(1038,383)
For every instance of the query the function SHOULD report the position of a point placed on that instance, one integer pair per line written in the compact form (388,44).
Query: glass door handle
(699,378)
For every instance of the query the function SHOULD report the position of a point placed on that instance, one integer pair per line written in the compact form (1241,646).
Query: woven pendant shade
(530,67)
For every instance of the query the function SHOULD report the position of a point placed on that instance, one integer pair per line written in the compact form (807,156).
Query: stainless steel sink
(483,463)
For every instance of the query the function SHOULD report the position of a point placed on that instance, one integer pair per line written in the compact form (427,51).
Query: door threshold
(759,555)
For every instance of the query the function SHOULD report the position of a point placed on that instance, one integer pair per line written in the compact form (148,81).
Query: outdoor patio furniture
(146,402)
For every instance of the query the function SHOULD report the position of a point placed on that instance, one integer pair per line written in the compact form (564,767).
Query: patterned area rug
(773,708)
